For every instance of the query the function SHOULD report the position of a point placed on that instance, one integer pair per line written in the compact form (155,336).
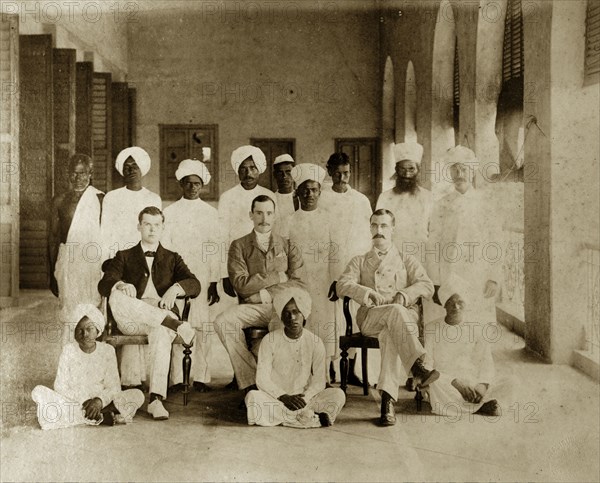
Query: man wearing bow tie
(142,284)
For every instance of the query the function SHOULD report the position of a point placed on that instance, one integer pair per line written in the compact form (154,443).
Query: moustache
(378,236)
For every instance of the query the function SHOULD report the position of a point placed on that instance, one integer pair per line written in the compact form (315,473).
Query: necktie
(149,254)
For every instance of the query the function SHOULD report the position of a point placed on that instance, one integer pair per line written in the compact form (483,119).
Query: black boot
(423,377)
(388,412)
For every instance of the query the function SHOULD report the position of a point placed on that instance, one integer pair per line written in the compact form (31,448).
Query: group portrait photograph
(300,240)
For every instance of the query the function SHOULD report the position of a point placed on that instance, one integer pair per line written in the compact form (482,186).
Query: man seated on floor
(259,265)
(459,347)
(87,389)
(142,284)
(291,372)
(387,284)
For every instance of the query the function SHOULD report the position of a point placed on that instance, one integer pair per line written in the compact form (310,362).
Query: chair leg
(344,369)
(187,369)
(419,400)
(365,373)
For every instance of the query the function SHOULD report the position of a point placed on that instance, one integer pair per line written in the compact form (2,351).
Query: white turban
(408,151)
(308,171)
(242,153)
(283,158)
(141,158)
(190,167)
(454,284)
(300,296)
(91,312)
(461,155)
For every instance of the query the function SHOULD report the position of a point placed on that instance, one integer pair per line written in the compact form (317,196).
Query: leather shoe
(423,377)
(388,412)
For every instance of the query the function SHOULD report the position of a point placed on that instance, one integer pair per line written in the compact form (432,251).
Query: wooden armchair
(113,336)
(364,343)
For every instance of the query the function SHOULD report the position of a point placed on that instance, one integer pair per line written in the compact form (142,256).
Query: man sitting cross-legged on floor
(142,284)
(291,372)
(459,347)
(87,389)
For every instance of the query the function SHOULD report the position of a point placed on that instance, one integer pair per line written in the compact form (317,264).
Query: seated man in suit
(142,284)
(387,284)
(259,265)
(291,373)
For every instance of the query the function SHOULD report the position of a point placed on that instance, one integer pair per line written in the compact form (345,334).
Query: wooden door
(364,162)
(273,148)
(184,141)
(64,115)
(37,157)
(83,108)
(121,131)
(102,131)
(9,153)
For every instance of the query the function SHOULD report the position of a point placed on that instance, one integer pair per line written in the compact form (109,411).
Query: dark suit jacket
(251,270)
(130,266)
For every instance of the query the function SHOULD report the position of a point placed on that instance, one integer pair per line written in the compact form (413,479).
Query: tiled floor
(550,434)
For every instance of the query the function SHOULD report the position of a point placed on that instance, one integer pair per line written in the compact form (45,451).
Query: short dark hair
(383,211)
(83,159)
(261,199)
(150,210)
(337,159)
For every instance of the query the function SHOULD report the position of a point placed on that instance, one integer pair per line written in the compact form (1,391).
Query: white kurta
(465,240)
(192,230)
(120,211)
(234,215)
(309,232)
(82,376)
(285,204)
(412,213)
(292,366)
(77,268)
(460,352)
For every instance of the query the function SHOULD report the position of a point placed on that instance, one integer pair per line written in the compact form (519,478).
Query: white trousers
(265,410)
(136,317)
(55,411)
(446,401)
(396,328)
(229,326)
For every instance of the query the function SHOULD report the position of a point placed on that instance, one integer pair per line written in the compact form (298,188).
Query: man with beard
(458,345)
(410,203)
(192,230)
(120,212)
(310,232)
(260,265)
(74,228)
(466,234)
(285,196)
(387,284)
(249,163)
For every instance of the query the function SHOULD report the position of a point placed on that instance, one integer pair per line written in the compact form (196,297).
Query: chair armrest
(186,308)
(348,315)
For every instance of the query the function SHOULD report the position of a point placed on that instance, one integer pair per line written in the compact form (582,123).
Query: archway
(410,105)
(388,135)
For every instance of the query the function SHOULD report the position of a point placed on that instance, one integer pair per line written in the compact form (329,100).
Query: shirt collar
(263,238)
(148,248)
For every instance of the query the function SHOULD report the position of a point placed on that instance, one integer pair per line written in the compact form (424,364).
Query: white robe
(412,213)
(465,240)
(82,376)
(462,352)
(309,232)
(120,210)
(77,269)
(234,214)
(192,230)
(292,366)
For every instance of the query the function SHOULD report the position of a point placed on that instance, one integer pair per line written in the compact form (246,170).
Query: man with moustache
(260,265)
(387,284)
(249,163)
(73,243)
(142,284)
(192,230)
(120,212)
(285,196)
(410,203)
(458,345)
(291,372)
